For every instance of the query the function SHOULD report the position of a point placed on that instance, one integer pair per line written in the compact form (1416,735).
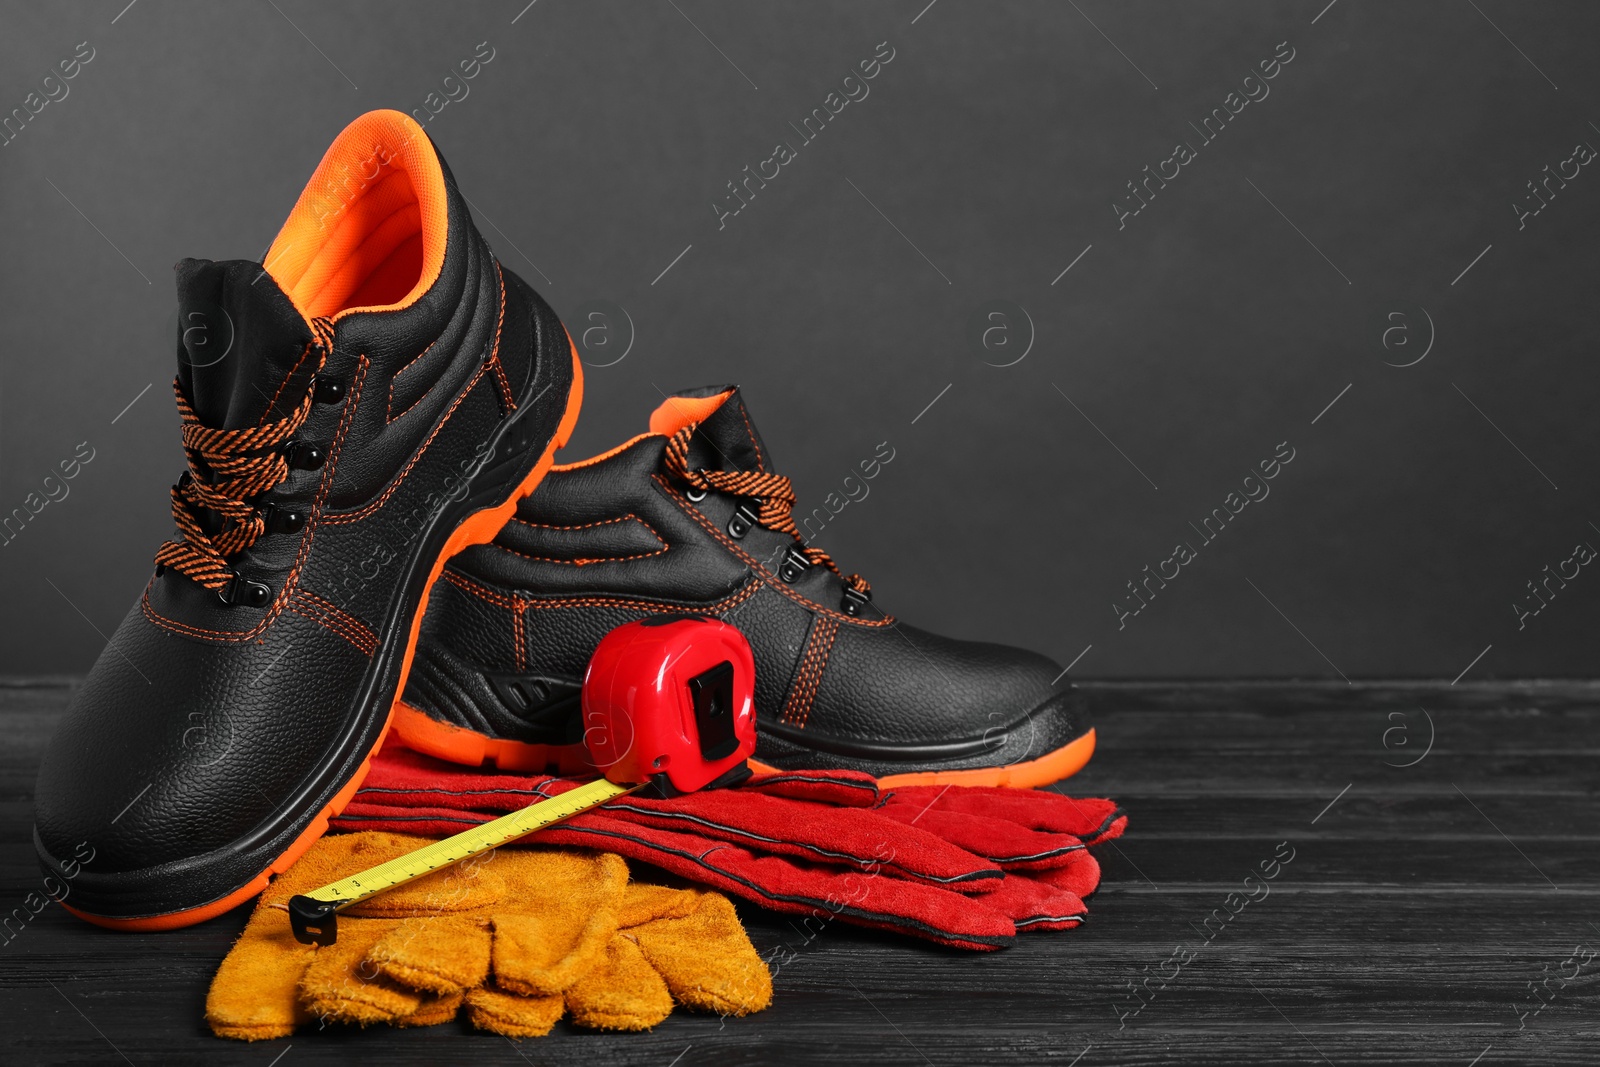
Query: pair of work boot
(373,408)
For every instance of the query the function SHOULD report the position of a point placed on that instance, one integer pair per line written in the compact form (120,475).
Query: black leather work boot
(691,517)
(373,399)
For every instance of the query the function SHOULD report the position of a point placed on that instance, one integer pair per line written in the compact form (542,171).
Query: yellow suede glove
(257,992)
(561,929)
(683,945)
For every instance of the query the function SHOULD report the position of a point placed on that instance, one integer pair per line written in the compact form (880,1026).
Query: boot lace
(774,492)
(227,468)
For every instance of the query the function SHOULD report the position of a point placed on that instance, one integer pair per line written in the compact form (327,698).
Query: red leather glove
(962,865)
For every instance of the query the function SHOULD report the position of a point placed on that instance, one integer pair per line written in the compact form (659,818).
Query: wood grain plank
(1408,929)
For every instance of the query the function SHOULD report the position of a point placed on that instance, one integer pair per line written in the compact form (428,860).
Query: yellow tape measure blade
(312,914)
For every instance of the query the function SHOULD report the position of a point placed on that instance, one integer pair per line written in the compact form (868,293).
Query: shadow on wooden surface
(1440,904)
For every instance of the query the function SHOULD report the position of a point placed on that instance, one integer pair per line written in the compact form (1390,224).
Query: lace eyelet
(304,456)
(854,601)
(329,392)
(794,564)
(695,495)
(281,519)
(242,591)
(743,521)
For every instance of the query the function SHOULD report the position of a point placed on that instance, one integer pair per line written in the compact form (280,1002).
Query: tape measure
(668,705)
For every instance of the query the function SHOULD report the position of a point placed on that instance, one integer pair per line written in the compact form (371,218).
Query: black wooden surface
(1422,911)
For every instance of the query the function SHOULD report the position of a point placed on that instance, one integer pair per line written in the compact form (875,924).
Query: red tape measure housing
(672,695)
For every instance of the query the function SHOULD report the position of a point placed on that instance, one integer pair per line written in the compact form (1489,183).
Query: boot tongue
(725,439)
(240,338)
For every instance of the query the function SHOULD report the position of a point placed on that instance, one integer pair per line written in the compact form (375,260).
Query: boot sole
(479,527)
(423,733)
(457,744)
(1063,762)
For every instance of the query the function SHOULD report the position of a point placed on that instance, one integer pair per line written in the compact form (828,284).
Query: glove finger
(1091,819)
(621,992)
(643,902)
(706,958)
(389,814)
(401,777)
(1081,876)
(433,1011)
(254,995)
(513,1015)
(337,855)
(543,951)
(339,986)
(835,835)
(851,789)
(256,991)
(919,847)
(1035,905)
(856,837)
(445,955)
(470,886)
(539,955)
(779,883)
(998,840)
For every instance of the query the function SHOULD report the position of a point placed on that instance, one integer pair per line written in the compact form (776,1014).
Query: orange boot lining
(676,412)
(368,233)
(672,415)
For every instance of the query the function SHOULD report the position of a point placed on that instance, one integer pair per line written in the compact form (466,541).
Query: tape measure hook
(315,922)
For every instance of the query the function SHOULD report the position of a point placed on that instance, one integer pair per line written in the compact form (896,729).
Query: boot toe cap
(917,696)
(177,763)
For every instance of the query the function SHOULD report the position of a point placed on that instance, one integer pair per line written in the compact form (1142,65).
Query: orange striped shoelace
(774,492)
(227,469)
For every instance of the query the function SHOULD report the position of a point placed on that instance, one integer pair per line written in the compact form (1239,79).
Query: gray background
(1223,319)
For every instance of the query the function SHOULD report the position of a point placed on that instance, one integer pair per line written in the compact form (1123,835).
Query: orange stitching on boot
(346,418)
(822,667)
(337,614)
(602,457)
(390,414)
(287,378)
(588,525)
(508,402)
(332,618)
(818,644)
(651,606)
(755,443)
(491,596)
(519,637)
(760,568)
(586,560)
(369,508)
(828,630)
(582,561)
(798,684)
(800,698)
(482,592)
(328,623)
(332,627)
